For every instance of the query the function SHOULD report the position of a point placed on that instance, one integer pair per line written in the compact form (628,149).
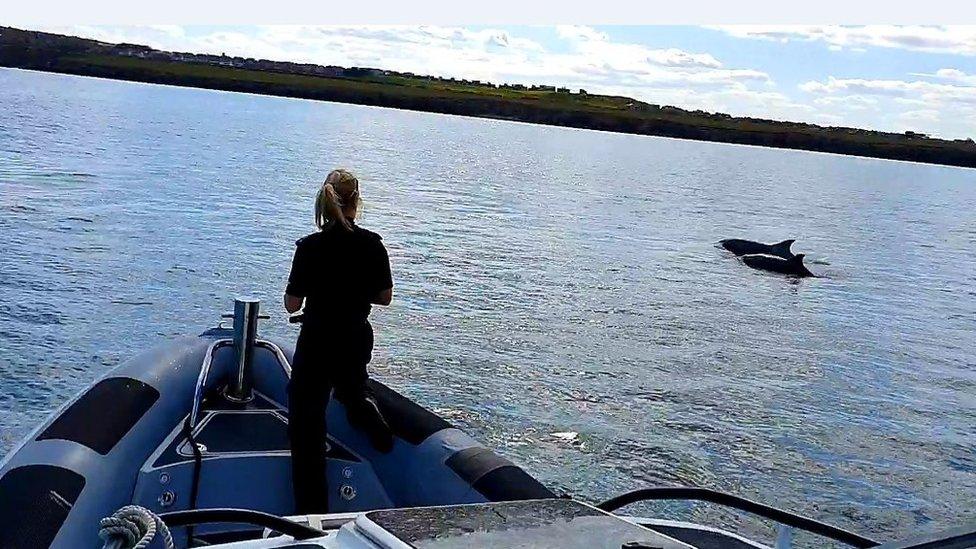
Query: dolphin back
(742,247)
(792,266)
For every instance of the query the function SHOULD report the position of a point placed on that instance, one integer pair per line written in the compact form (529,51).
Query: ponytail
(340,190)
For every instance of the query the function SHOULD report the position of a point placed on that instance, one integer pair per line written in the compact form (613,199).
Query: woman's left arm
(296,290)
(383,277)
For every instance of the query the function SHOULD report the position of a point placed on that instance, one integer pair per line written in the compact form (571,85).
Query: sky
(884,77)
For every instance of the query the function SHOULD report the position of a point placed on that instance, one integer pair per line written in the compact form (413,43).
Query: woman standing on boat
(338,273)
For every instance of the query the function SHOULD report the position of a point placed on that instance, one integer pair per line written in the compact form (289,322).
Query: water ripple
(559,293)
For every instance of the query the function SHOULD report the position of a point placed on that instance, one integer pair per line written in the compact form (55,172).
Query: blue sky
(895,78)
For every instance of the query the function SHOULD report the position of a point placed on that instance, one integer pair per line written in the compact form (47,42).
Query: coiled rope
(133,527)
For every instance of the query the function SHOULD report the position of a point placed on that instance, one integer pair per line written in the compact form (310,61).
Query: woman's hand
(293,304)
(383,298)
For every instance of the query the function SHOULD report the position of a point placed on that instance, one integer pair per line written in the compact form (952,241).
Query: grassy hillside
(56,53)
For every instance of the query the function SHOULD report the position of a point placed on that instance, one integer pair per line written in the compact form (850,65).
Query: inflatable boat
(186,446)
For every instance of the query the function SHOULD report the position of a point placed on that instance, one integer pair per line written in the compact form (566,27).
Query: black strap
(241,516)
(197,465)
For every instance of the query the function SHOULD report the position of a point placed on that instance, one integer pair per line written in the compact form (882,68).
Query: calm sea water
(559,293)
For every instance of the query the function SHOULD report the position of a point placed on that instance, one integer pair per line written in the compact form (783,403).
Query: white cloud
(907,102)
(848,102)
(919,90)
(954,75)
(922,115)
(953,39)
(580,32)
(945,108)
(175,31)
(598,48)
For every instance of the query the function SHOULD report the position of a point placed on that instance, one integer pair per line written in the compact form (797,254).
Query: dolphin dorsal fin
(785,245)
(798,258)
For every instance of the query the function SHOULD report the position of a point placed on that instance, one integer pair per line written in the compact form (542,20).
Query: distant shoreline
(546,105)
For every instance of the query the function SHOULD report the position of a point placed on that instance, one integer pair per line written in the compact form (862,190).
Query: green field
(56,53)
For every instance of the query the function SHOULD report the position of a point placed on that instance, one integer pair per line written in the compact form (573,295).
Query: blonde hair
(340,191)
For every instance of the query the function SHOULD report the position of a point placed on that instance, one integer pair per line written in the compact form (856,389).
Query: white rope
(133,527)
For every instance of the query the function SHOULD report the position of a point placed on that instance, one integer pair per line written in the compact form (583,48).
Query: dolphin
(792,266)
(748,247)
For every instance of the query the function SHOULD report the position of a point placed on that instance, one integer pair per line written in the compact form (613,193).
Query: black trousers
(327,363)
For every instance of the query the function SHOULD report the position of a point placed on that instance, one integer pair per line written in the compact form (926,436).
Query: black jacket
(339,272)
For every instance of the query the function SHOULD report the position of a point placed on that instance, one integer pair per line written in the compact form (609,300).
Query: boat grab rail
(291,528)
(202,378)
(742,504)
(278,353)
(208,361)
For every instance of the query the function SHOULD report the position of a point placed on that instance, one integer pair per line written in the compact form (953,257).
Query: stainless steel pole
(245,332)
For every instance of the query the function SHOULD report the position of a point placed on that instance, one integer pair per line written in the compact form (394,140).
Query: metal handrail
(742,504)
(208,361)
(279,354)
(202,377)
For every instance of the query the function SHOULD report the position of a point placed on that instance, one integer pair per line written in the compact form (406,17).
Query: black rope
(742,504)
(197,465)
(241,516)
